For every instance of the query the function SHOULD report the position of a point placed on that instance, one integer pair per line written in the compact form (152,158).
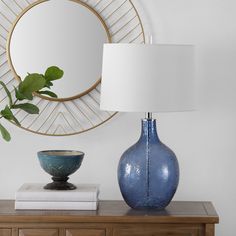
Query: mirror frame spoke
(120,29)
(6,30)
(115,10)
(136,37)
(109,4)
(10,9)
(40,113)
(19,6)
(6,18)
(127,34)
(3,53)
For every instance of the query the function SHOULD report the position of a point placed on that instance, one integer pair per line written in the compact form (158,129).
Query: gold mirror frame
(79,113)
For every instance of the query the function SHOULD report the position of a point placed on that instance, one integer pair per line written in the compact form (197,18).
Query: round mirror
(64,33)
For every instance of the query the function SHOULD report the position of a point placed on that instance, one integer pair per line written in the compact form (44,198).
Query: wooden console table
(113,218)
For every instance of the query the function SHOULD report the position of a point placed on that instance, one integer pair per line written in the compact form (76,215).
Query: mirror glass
(63,33)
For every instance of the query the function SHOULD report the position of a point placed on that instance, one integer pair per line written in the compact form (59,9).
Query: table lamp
(147,78)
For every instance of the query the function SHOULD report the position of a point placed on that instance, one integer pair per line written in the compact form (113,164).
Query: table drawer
(5,232)
(85,232)
(160,230)
(38,232)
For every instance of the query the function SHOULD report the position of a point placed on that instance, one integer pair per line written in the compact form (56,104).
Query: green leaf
(31,84)
(48,84)
(19,96)
(7,92)
(49,93)
(5,133)
(53,73)
(15,120)
(27,107)
(7,114)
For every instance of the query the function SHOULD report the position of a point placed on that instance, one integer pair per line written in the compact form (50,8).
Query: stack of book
(32,196)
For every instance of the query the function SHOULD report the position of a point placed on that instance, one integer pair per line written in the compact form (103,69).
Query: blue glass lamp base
(148,172)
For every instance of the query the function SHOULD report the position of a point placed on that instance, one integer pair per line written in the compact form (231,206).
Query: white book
(36,192)
(24,205)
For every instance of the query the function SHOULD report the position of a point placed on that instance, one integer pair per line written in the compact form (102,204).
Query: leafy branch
(33,83)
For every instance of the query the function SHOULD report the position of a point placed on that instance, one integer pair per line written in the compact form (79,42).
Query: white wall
(204,141)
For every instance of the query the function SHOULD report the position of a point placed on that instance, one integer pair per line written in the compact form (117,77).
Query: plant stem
(12,106)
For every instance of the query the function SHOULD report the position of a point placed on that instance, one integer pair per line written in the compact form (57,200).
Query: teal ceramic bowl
(60,164)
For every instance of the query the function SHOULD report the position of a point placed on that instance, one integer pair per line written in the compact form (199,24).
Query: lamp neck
(149,131)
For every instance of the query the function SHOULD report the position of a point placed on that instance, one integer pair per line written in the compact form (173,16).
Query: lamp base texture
(148,172)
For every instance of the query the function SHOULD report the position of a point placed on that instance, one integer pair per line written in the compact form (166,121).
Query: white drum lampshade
(147,78)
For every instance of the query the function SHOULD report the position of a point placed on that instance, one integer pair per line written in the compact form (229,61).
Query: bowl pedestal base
(60,184)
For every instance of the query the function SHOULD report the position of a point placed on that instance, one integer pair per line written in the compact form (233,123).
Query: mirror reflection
(63,33)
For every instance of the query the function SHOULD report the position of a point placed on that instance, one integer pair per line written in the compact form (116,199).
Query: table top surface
(116,211)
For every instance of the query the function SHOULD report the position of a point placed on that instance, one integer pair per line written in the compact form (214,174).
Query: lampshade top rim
(153,44)
(191,109)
